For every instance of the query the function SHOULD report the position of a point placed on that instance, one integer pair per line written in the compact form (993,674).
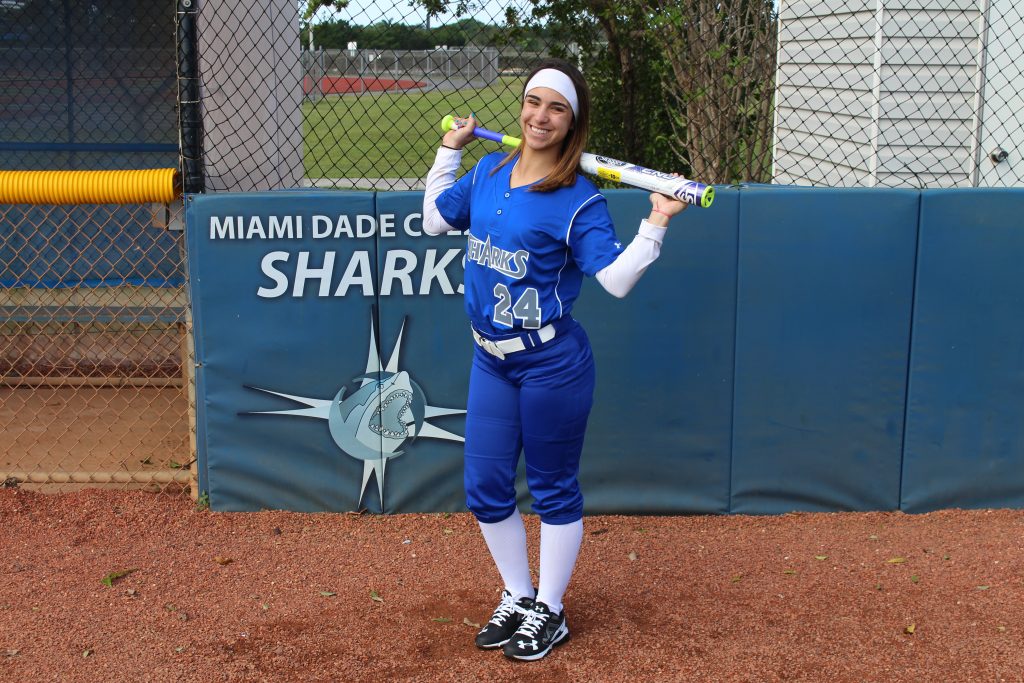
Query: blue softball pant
(536,402)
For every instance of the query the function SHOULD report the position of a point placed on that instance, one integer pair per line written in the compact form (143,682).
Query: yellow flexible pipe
(160,185)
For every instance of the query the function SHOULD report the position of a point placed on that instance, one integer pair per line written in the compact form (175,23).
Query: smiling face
(546,119)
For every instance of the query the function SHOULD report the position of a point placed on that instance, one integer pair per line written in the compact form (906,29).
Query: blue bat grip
(488,135)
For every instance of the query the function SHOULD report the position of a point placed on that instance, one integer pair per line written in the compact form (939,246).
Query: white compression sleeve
(625,271)
(439,179)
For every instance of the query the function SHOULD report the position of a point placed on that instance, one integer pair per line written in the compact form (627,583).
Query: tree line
(336,34)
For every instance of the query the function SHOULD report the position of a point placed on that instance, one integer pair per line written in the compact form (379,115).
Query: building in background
(898,93)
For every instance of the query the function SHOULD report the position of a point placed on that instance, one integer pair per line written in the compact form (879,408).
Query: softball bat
(689,191)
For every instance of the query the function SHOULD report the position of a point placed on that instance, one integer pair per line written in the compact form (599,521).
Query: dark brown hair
(575,142)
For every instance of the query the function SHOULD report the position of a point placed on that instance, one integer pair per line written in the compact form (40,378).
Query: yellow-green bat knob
(707,197)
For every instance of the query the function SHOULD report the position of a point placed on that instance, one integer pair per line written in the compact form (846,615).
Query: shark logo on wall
(386,411)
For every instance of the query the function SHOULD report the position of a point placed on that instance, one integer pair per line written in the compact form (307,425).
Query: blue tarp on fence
(87,246)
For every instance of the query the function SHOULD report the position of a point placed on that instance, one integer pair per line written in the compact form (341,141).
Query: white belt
(500,348)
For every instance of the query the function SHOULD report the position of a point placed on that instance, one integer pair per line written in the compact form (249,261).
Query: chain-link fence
(838,93)
(340,72)
(93,313)
(87,85)
(281,94)
(93,355)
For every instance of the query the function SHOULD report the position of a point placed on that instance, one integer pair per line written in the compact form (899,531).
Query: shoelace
(506,608)
(533,623)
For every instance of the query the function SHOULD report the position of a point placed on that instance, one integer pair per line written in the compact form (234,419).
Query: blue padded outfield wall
(792,349)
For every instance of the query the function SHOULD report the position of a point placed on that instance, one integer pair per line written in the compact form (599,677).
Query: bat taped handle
(448,123)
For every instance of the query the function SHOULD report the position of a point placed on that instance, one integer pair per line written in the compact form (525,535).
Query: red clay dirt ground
(279,596)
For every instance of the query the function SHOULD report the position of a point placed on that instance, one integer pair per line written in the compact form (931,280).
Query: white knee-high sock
(559,547)
(507,542)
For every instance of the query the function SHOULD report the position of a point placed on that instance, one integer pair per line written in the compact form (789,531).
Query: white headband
(559,82)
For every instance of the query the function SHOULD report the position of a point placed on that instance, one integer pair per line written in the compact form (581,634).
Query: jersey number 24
(526,308)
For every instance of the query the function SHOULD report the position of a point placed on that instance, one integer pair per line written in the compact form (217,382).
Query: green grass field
(395,134)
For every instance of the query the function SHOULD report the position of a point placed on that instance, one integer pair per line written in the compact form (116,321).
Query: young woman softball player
(536,227)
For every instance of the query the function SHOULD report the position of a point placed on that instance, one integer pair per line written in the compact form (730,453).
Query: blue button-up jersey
(526,252)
